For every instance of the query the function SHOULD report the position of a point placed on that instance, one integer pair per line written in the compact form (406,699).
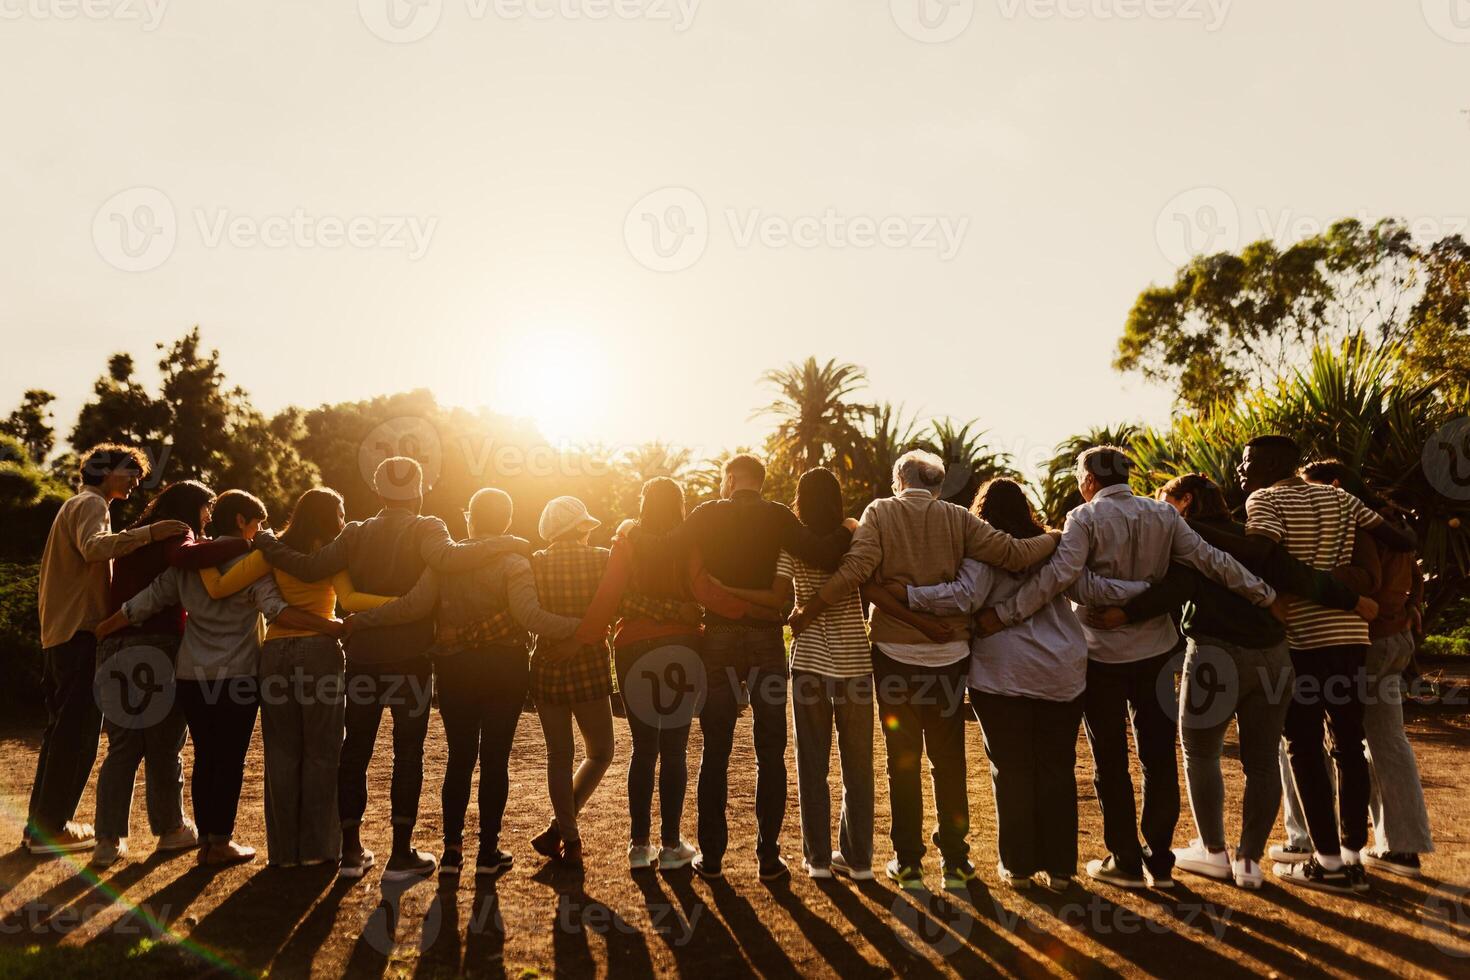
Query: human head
(1335,472)
(1195,496)
(316,519)
(187,500)
(566,519)
(660,505)
(918,469)
(114,469)
(1101,467)
(818,502)
(489,513)
(238,513)
(743,471)
(399,482)
(1267,459)
(1002,503)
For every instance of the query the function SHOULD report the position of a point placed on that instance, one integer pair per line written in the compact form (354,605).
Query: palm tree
(1059,494)
(885,436)
(968,458)
(650,459)
(817,422)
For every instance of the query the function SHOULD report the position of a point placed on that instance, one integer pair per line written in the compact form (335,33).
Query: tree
(120,411)
(1059,493)
(31,424)
(885,435)
(968,459)
(816,420)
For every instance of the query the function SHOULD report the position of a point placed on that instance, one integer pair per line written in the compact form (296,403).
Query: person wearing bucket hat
(563,516)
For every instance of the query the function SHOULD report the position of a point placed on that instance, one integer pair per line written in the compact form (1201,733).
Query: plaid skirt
(585,677)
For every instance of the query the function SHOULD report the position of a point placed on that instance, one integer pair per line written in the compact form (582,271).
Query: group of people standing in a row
(1297,622)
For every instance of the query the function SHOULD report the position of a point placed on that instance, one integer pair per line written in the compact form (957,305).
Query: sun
(550,376)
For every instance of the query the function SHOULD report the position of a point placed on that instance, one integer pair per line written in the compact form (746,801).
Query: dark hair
(1279,453)
(746,466)
(313,520)
(181,501)
(1002,503)
(491,509)
(108,457)
(1327,470)
(818,502)
(1109,465)
(1207,499)
(658,567)
(232,504)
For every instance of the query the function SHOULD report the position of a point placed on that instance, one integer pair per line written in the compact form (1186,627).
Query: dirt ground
(161,917)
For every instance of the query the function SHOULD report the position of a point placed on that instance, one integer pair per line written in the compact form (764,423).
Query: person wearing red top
(657,662)
(134,735)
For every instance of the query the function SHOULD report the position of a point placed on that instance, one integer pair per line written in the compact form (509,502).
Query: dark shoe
(1311,874)
(571,856)
(1055,881)
(411,863)
(1109,871)
(1399,863)
(619,709)
(452,863)
(356,863)
(494,862)
(959,874)
(1357,877)
(69,839)
(705,868)
(548,842)
(774,868)
(909,877)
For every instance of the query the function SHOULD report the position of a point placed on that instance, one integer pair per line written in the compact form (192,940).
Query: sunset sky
(615,223)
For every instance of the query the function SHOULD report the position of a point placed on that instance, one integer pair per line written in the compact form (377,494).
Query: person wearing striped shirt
(1318,524)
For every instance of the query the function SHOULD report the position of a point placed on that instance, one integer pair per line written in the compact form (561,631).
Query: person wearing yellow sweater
(301,690)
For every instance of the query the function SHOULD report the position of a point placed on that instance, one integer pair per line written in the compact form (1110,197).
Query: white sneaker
(641,857)
(108,852)
(1013,880)
(1200,860)
(1247,873)
(845,868)
(183,839)
(816,870)
(670,858)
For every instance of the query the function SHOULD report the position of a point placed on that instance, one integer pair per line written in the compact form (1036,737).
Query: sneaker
(108,852)
(845,868)
(1357,876)
(1247,873)
(571,856)
(641,857)
(706,869)
(1400,863)
(1162,880)
(816,870)
(773,868)
(1200,860)
(68,840)
(407,864)
(1107,870)
(452,863)
(907,876)
(1311,874)
(548,842)
(1013,880)
(218,854)
(1058,881)
(355,865)
(678,856)
(959,874)
(184,838)
(493,862)
(1289,853)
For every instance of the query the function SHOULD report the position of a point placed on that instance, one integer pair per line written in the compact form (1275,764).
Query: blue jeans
(157,747)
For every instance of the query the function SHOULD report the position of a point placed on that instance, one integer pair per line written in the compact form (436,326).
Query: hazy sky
(614,214)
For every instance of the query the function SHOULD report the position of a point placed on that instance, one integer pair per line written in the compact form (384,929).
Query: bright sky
(614,223)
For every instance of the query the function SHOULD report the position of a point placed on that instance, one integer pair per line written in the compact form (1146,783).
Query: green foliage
(968,460)
(816,420)
(20,632)
(1444,646)
(30,424)
(1058,493)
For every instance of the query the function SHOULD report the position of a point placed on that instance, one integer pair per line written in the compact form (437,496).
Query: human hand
(1105,617)
(1367,608)
(898,590)
(988,622)
(162,530)
(690,613)
(935,629)
(850,523)
(1278,609)
(799,620)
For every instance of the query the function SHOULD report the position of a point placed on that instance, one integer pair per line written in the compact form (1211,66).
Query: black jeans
(664,748)
(221,717)
(1032,746)
(756,658)
(1116,695)
(922,709)
(405,688)
(481,693)
(1329,685)
(73,728)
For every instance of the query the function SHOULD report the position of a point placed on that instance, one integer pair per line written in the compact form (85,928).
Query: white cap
(564,514)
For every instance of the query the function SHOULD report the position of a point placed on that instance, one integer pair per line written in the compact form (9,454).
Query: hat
(565,514)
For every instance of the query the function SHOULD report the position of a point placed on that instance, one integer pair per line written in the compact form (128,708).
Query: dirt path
(172,920)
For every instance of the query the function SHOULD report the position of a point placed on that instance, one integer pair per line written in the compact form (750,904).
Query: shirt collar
(746,497)
(1116,490)
(915,492)
(1290,481)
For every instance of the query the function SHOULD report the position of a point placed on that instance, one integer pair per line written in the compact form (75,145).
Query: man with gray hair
(915,538)
(387,666)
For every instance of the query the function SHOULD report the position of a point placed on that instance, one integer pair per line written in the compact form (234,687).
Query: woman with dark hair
(1237,666)
(157,743)
(216,684)
(1026,683)
(655,649)
(302,673)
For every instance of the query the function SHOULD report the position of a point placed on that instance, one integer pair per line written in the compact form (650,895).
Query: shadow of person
(16,866)
(384,934)
(295,957)
(852,903)
(105,893)
(833,946)
(708,939)
(577,914)
(484,946)
(677,927)
(1046,946)
(266,910)
(765,954)
(440,953)
(155,914)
